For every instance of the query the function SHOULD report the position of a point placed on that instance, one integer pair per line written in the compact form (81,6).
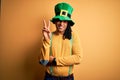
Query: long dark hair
(68,32)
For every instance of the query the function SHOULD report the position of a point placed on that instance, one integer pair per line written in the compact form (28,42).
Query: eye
(65,21)
(57,21)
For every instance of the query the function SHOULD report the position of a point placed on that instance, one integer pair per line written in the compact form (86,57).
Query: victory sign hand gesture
(46,31)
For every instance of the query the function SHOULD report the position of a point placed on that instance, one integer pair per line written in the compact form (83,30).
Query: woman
(60,49)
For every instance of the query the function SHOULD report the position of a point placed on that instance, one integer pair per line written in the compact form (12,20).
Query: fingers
(46,30)
(49,25)
(45,25)
(51,58)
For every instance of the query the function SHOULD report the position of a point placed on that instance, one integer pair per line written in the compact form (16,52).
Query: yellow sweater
(61,49)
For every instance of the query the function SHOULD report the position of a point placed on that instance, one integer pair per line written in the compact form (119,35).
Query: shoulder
(75,34)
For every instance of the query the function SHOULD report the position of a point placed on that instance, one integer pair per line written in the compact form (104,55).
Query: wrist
(54,61)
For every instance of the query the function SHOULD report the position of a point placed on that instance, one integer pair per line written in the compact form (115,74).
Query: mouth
(60,27)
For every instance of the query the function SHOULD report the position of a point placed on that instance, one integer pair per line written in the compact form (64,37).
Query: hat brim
(62,18)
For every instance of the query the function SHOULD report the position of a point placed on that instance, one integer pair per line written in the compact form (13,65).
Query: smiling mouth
(60,27)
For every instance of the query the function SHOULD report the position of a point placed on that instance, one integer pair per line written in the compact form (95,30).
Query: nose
(61,22)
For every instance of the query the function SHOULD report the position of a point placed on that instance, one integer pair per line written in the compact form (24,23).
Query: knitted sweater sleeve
(45,49)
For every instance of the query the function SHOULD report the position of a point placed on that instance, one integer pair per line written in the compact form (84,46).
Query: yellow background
(97,23)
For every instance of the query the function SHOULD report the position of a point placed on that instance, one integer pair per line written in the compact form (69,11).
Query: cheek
(65,26)
(57,24)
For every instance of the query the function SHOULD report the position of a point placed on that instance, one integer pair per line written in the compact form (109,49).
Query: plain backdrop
(97,23)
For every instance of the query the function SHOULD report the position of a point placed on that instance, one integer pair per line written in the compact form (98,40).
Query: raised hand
(46,30)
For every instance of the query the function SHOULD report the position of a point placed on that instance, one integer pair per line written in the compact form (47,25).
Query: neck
(59,33)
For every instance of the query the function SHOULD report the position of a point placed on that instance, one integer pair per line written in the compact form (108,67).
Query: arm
(75,58)
(45,44)
(44,59)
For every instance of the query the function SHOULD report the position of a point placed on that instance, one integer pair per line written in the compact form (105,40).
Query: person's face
(61,26)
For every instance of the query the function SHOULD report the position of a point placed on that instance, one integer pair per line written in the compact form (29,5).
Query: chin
(60,30)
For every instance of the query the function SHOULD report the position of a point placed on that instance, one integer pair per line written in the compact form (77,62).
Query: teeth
(60,27)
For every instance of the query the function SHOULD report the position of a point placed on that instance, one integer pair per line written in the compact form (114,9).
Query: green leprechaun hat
(63,12)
